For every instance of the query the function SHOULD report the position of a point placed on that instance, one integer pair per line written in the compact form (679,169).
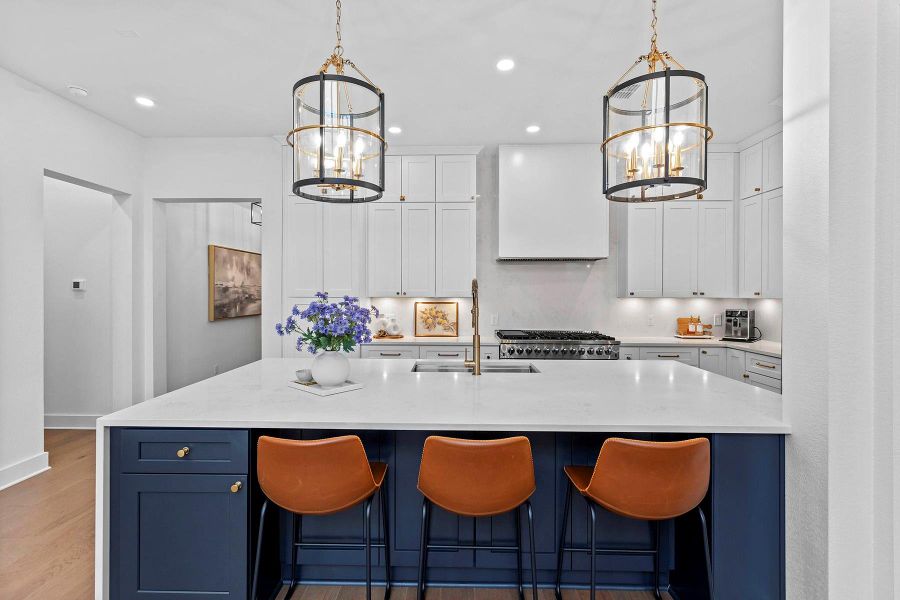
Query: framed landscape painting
(235,283)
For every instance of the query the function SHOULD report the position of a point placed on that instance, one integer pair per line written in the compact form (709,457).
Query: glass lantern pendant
(655,130)
(338,134)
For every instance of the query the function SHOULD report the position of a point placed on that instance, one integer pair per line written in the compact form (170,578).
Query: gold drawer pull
(236,487)
(183,452)
(756,189)
(390,354)
(448,353)
(765,366)
(668,356)
(745,375)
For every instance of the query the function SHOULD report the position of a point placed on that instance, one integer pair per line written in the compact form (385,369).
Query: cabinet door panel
(455,249)
(680,249)
(720,176)
(715,255)
(302,252)
(750,261)
(713,360)
(773,157)
(393,186)
(385,249)
(644,268)
(772,244)
(735,364)
(455,178)
(182,536)
(418,250)
(751,171)
(339,261)
(418,178)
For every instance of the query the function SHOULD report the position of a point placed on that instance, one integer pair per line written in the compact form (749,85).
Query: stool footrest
(471,547)
(337,545)
(610,551)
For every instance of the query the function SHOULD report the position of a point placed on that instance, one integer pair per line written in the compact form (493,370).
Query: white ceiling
(226,67)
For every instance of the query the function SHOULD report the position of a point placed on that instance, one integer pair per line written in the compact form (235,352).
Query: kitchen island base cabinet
(181,535)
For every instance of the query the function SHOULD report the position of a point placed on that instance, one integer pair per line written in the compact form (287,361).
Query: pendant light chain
(653,26)
(338,48)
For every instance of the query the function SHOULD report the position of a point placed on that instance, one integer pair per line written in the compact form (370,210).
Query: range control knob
(572,350)
(510,350)
(545,350)
(555,350)
(527,350)
(581,351)
(591,351)
(518,351)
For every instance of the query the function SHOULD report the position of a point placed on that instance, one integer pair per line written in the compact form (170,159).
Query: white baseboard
(60,421)
(24,469)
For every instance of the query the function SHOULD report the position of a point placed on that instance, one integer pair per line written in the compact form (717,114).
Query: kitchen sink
(459,367)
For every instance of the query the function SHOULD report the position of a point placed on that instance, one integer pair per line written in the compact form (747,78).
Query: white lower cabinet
(444,352)
(629,353)
(734,364)
(713,360)
(688,356)
(390,351)
(761,381)
(758,370)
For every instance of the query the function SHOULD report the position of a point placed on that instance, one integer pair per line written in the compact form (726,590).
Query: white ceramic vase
(330,368)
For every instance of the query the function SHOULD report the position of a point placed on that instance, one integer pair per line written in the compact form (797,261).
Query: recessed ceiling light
(144,101)
(505,64)
(533,128)
(395,130)
(77,91)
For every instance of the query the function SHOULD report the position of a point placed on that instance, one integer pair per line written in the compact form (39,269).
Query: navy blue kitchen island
(182,524)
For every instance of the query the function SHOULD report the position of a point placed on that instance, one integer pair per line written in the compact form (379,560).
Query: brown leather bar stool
(651,481)
(322,477)
(477,478)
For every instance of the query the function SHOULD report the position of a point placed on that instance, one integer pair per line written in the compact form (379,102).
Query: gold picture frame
(235,283)
(433,319)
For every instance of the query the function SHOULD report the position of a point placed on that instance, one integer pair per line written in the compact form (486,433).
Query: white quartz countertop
(766,347)
(590,396)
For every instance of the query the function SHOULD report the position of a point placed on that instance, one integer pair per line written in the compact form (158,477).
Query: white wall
(42,131)
(77,324)
(196,348)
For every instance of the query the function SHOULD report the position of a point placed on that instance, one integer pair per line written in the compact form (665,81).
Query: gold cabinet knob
(402,198)
(756,189)
(183,452)
(236,487)
(745,375)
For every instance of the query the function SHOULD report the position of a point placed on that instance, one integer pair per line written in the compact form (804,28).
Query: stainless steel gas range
(557,345)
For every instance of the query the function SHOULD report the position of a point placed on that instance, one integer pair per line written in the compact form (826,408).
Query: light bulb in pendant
(358,146)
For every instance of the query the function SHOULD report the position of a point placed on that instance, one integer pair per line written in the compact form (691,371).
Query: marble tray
(314,388)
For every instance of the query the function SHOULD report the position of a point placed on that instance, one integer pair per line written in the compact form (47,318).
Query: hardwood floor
(47,538)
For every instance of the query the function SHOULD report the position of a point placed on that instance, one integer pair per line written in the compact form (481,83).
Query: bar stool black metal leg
(709,578)
(517,519)
(367,515)
(562,541)
(530,512)
(259,538)
(656,561)
(293,564)
(423,548)
(591,541)
(387,541)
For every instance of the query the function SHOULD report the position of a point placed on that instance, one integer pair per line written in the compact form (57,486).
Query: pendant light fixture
(338,134)
(655,130)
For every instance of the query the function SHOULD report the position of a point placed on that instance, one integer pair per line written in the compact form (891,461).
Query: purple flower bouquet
(330,326)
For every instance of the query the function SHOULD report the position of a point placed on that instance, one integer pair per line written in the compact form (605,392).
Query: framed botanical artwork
(437,319)
(235,283)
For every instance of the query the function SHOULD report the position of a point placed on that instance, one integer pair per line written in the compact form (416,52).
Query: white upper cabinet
(302,253)
(751,170)
(715,255)
(385,249)
(418,250)
(418,179)
(643,254)
(772,244)
(392,179)
(454,249)
(680,249)
(750,247)
(343,232)
(720,176)
(455,178)
(773,159)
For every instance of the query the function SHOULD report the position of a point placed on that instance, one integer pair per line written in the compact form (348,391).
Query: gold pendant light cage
(338,135)
(655,131)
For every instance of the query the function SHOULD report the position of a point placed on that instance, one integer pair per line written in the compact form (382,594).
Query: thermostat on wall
(79,284)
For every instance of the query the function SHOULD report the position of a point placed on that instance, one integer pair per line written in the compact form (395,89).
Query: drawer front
(389,351)
(688,356)
(629,353)
(184,451)
(445,352)
(763,365)
(768,383)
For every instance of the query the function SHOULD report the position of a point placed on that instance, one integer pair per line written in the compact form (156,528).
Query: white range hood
(552,205)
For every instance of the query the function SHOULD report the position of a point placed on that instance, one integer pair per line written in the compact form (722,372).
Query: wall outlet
(717,319)
(495,319)
(650,321)
(79,285)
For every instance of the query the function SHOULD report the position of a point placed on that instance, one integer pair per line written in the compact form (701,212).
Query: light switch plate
(717,319)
